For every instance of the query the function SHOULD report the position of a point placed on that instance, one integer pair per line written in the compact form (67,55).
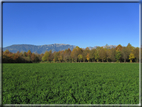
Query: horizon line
(65,44)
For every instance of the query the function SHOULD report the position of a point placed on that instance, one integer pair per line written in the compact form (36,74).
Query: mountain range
(42,48)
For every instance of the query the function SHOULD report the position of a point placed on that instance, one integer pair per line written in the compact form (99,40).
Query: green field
(71,83)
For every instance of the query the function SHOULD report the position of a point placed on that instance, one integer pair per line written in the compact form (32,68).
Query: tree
(136,53)
(80,57)
(25,54)
(102,53)
(124,53)
(107,54)
(84,53)
(21,53)
(131,57)
(50,56)
(74,55)
(130,48)
(6,52)
(69,55)
(56,54)
(88,57)
(79,50)
(37,57)
(29,53)
(66,56)
(40,56)
(96,54)
(7,57)
(15,57)
(53,60)
(60,57)
(33,57)
(92,53)
(43,58)
(18,52)
(46,56)
(112,54)
(119,47)
(118,55)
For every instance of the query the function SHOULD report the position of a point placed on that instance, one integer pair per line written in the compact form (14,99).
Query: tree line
(100,54)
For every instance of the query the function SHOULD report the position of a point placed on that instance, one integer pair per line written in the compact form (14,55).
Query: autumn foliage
(100,54)
(131,57)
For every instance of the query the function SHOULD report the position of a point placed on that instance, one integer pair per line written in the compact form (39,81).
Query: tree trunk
(72,60)
(125,60)
(131,60)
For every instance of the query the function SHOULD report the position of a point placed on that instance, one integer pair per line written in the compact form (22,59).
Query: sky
(79,24)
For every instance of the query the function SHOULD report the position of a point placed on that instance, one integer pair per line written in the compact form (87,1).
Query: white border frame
(74,1)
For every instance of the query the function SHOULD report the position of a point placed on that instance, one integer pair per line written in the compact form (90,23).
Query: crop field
(70,83)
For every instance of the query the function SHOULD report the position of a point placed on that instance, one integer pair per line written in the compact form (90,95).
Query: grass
(71,83)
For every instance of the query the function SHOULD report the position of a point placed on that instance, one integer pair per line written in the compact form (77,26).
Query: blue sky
(80,24)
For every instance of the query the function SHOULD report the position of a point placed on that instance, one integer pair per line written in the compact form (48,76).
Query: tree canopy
(99,54)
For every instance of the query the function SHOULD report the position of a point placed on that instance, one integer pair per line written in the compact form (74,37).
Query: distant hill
(39,49)
(42,48)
